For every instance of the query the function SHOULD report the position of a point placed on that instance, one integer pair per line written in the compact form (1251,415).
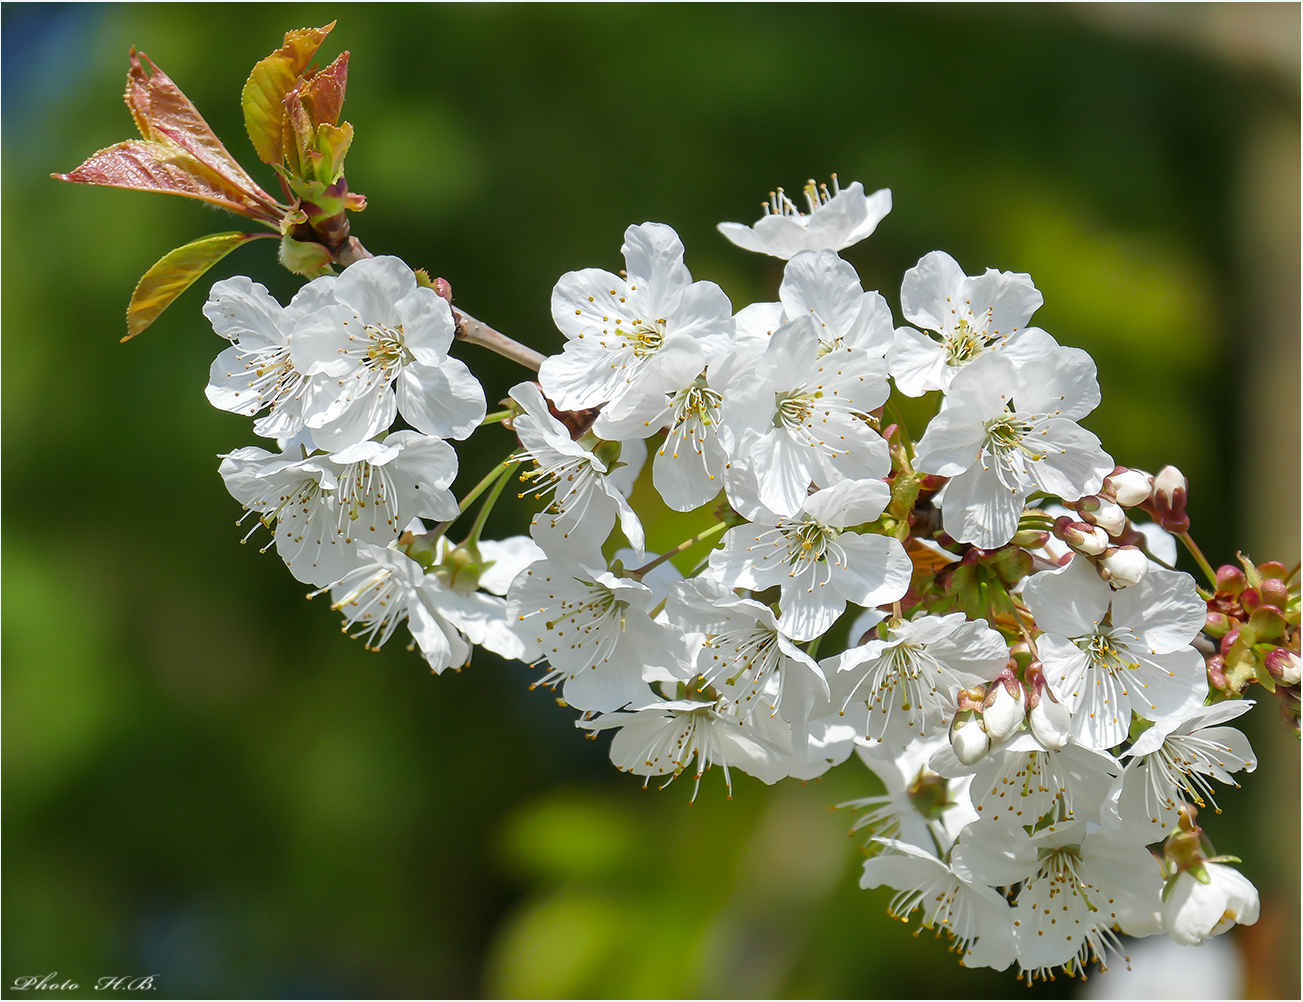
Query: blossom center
(794,409)
(965,343)
(646,337)
(388,347)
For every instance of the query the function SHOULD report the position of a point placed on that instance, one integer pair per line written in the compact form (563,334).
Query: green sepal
(311,260)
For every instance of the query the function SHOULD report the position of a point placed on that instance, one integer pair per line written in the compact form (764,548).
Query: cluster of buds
(1254,618)
(990,714)
(1102,533)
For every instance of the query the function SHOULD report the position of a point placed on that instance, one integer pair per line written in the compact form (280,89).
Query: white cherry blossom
(387,587)
(908,680)
(815,559)
(1076,886)
(1005,431)
(800,417)
(1194,911)
(664,737)
(745,655)
(384,346)
(595,632)
(1139,660)
(1021,780)
(650,333)
(586,498)
(257,372)
(835,220)
(324,506)
(977,917)
(964,317)
(1178,759)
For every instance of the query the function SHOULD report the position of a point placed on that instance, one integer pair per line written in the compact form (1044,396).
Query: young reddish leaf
(323,93)
(175,272)
(148,166)
(163,113)
(264,92)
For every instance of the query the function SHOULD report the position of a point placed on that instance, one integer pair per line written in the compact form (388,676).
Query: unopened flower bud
(443,289)
(1088,539)
(1003,708)
(1218,624)
(1128,487)
(1275,592)
(1108,516)
(1231,580)
(1168,498)
(1273,569)
(1049,719)
(1125,565)
(968,737)
(1030,539)
(1217,673)
(1228,641)
(1283,666)
(1250,598)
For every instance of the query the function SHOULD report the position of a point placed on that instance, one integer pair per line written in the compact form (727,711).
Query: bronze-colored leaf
(323,93)
(264,92)
(163,113)
(167,167)
(175,272)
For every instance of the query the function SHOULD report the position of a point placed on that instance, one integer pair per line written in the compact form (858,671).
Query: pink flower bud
(1108,516)
(1283,666)
(1125,566)
(1219,624)
(1168,498)
(1128,487)
(1228,641)
(1088,539)
(443,288)
(1217,673)
(1231,580)
(1274,592)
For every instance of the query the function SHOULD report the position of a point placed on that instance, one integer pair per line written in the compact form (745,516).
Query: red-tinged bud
(1128,487)
(1228,641)
(1250,599)
(1273,569)
(1124,566)
(931,483)
(1275,592)
(1030,539)
(1231,580)
(1168,498)
(971,699)
(444,288)
(1088,539)
(1283,666)
(1217,673)
(1219,624)
(1107,515)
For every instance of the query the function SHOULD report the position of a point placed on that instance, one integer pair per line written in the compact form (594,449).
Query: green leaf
(175,272)
(263,97)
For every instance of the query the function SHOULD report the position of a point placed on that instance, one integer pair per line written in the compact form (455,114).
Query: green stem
(704,534)
(896,416)
(1199,558)
(496,416)
(489,480)
(489,502)
(812,648)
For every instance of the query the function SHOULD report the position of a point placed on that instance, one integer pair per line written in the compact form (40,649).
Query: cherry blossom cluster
(985,614)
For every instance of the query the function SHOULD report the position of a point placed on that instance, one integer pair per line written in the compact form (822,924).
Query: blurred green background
(204,780)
